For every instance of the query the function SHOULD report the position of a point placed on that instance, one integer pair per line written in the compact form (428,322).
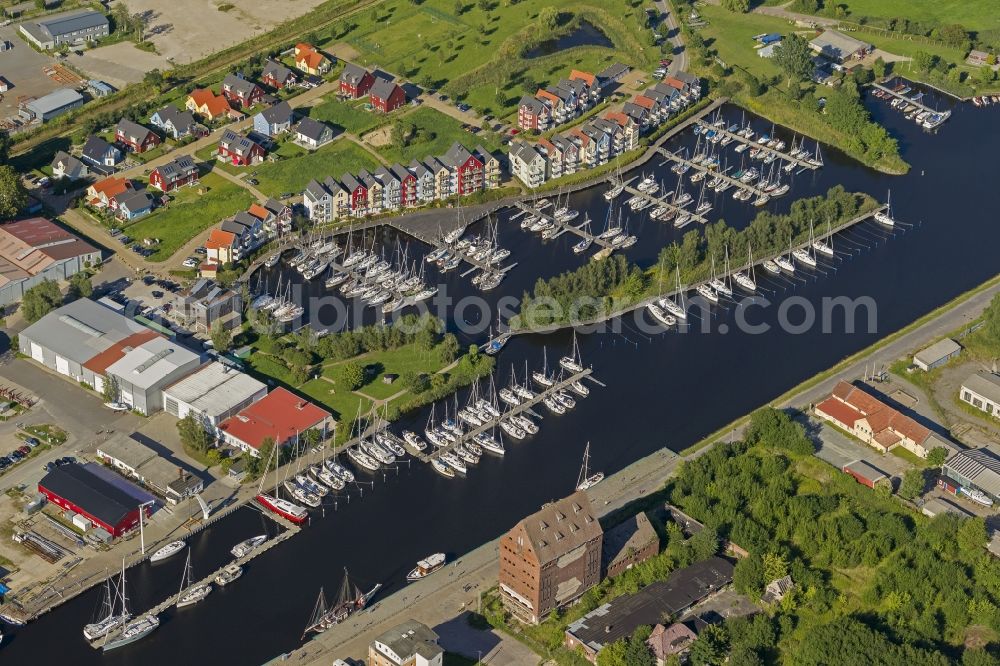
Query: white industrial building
(144,371)
(214,393)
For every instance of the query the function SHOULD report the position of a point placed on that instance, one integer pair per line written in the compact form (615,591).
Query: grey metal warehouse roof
(981,466)
(985,384)
(937,351)
(127,450)
(81,330)
(54,101)
(64,24)
(215,389)
(151,363)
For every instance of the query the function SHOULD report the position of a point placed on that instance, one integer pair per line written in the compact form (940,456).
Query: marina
(911,104)
(565,226)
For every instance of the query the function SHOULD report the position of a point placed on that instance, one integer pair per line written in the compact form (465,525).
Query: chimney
(180,473)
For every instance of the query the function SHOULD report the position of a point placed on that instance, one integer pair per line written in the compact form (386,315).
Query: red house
(112,506)
(280,416)
(466,169)
(386,96)
(134,137)
(277,75)
(176,173)
(240,92)
(407,185)
(240,150)
(355,81)
(358,193)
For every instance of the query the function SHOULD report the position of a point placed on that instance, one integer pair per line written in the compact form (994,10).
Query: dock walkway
(752,143)
(919,105)
(565,226)
(661,201)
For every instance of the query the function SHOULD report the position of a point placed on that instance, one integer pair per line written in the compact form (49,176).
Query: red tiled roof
(219,239)
(259,212)
(201,96)
(618,117)
(280,414)
(839,411)
(879,415)
(644,102)
(101,362)
(311,58)
(586,77)
(545,94)
(112,187)
(674,83)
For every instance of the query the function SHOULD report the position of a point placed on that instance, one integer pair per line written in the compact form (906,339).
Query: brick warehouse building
(106,505)
(550,558)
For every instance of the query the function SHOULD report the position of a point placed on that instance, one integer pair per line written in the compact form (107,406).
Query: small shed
(937,354)
(389,378)
(937,505)
(866,474)
(82,522)
(238,470)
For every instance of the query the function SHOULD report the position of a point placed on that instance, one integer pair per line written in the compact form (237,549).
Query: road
(674,35)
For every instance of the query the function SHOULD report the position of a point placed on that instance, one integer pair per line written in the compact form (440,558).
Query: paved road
(680,53)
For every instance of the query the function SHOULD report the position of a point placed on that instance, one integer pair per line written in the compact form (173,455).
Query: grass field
(351,116)
(732,36)
(293,173)
(343,404)
(969,13)
(435,134)
(397,361)
(190,213)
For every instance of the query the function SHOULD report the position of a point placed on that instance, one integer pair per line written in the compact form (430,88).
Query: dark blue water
(665,389)
(586,34)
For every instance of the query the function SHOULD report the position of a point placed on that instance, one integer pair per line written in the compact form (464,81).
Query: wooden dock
(919,105)
(525,406)
(566,226)
(735,182)
(662,201)
(752,143)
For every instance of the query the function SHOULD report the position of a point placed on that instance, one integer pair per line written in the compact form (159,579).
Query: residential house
(66,166)
(407,186)
(240,92)
(279,218)
(375,191)
(392,194)
(277,76)
(280,416)
(103,193)
(273,120)
(209,105)
(665,642)
(357,194)
(638,113)
(872,421)
(593,88)
(603,140)
(570,153)
(312,134)
(612,74)
(133,205)
(240,150)
(386,96)
(134,137)
(180,171)
(529,164)
(556,100)
(248,232)
(492,172)
(310,60)
(425,184)
(355,82)
(100,154)
(326,201)
(629,130)
(174,123)
(468,174)
(982,391)
(221,247)
(533,114)
(550,559)
(204,304)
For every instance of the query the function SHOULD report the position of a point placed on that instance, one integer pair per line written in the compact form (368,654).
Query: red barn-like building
(76,489)
(386,96)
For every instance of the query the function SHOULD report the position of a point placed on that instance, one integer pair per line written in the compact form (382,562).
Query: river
(665,389)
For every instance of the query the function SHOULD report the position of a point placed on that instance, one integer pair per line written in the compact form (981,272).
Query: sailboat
(110,619)
(675,308)
(658,313)
(804,255)
(190,593)
(721,285)
(573,361)
(885,216)
(584,243)
(617,186)
(586,481)
(350,600)
(543,377)
(282,507)
(130,631)
(822,246)
(786,263)
(746,279)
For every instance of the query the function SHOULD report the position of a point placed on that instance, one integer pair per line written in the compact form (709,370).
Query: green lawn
(351,116)
(343,404)
(732,36)
(292,174)
(969,13)
(398,361)
(435,134)
(190,213)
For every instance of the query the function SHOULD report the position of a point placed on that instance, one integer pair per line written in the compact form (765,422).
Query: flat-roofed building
(411,643)
(839,47)
(937,354)
(213,393)
(982,391)
(68,28)
(36,249)
(144,371)
(56,103)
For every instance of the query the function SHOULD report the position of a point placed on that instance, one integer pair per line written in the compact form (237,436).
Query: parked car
(464,107)
(190,262)
(253,181)
(31,442)
(24,450)
(148,279)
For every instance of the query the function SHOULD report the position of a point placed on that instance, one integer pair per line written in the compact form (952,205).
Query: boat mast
(186,576)
(584,469)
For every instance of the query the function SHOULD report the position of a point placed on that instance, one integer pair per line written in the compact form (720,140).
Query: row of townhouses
(459,172)
(600,139)
(560,103)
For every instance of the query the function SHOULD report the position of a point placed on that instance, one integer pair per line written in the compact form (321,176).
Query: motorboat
(247,546)
(228,575)
(426,567)
(171,548)
(442,469)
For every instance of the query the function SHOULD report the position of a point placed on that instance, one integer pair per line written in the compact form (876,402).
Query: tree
(548,18)
(937,456)
(448,349)
(13,196)
(459,8)
(704,544)
(40,300)
(710,648)
(923,61)
(111,391)
(352,375)
(154,78)
(912,485)
(972,535)
(879,67)
(775,566)
(4,145)
(222,337)
(741,6)
(193,434)
(80,285)
(794,57)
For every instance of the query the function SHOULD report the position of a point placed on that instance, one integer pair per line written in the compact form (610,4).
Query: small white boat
(802,256)
(426,567)
(171,548)
(708,293)
(773,267)
(248,545)
(228,575)
(442,469)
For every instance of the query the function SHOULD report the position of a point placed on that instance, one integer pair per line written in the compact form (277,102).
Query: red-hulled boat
(283,508)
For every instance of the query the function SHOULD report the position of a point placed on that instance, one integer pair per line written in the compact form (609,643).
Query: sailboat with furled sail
(586,480)
(110,615)
(350,600)
(190,592)
(746,279)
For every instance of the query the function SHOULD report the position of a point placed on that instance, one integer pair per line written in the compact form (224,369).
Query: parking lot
(22,68)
